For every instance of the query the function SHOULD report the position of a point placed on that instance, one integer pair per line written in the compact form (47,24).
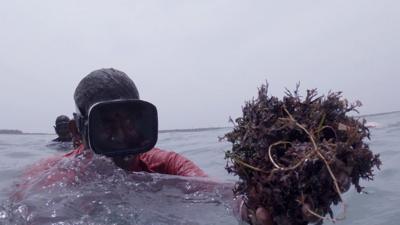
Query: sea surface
(103,194)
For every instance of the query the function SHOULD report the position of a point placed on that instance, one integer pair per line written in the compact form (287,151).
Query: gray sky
(197,61)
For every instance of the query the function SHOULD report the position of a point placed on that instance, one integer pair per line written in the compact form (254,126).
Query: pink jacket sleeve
(166,162)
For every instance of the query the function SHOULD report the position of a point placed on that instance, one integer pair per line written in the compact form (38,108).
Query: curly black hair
(103,85)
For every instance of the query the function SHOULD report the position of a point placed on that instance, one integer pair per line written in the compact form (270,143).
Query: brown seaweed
(296,156)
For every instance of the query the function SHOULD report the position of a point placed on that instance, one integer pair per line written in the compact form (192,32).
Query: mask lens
(123,127)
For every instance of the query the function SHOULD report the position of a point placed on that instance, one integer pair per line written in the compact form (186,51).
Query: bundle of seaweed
(295,157)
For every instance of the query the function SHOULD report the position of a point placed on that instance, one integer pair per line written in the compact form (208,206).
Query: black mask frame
(143,113)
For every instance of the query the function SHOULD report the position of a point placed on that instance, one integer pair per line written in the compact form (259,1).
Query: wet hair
(61,128)
(103,85)
(62,119)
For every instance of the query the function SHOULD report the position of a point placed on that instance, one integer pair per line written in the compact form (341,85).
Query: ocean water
(103,194)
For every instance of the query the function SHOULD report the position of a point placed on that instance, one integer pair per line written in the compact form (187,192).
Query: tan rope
(323,158)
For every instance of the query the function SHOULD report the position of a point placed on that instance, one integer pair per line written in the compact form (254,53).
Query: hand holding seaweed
(295,157)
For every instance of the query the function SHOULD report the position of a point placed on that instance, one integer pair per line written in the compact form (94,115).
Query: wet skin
(118,130)
(63,132)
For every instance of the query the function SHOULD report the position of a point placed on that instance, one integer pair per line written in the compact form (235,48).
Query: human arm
(166,162)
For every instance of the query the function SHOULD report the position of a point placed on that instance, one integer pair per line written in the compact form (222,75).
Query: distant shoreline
(191,130)
(10,131)
(380,114)
(19,132)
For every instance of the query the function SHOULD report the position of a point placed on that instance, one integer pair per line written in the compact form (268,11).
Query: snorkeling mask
(119,127)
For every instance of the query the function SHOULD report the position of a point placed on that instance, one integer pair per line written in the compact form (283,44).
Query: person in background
(62,129)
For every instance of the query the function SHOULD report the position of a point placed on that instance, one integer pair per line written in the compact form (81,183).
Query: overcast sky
(197,61)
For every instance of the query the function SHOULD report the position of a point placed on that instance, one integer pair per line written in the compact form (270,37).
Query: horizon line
(199,129)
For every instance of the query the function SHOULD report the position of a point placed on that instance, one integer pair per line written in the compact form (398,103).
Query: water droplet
(22,210)
(188,186)
(53,214)
(3,214)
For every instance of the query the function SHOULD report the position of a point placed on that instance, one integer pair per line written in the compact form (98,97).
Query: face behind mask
(120,127)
